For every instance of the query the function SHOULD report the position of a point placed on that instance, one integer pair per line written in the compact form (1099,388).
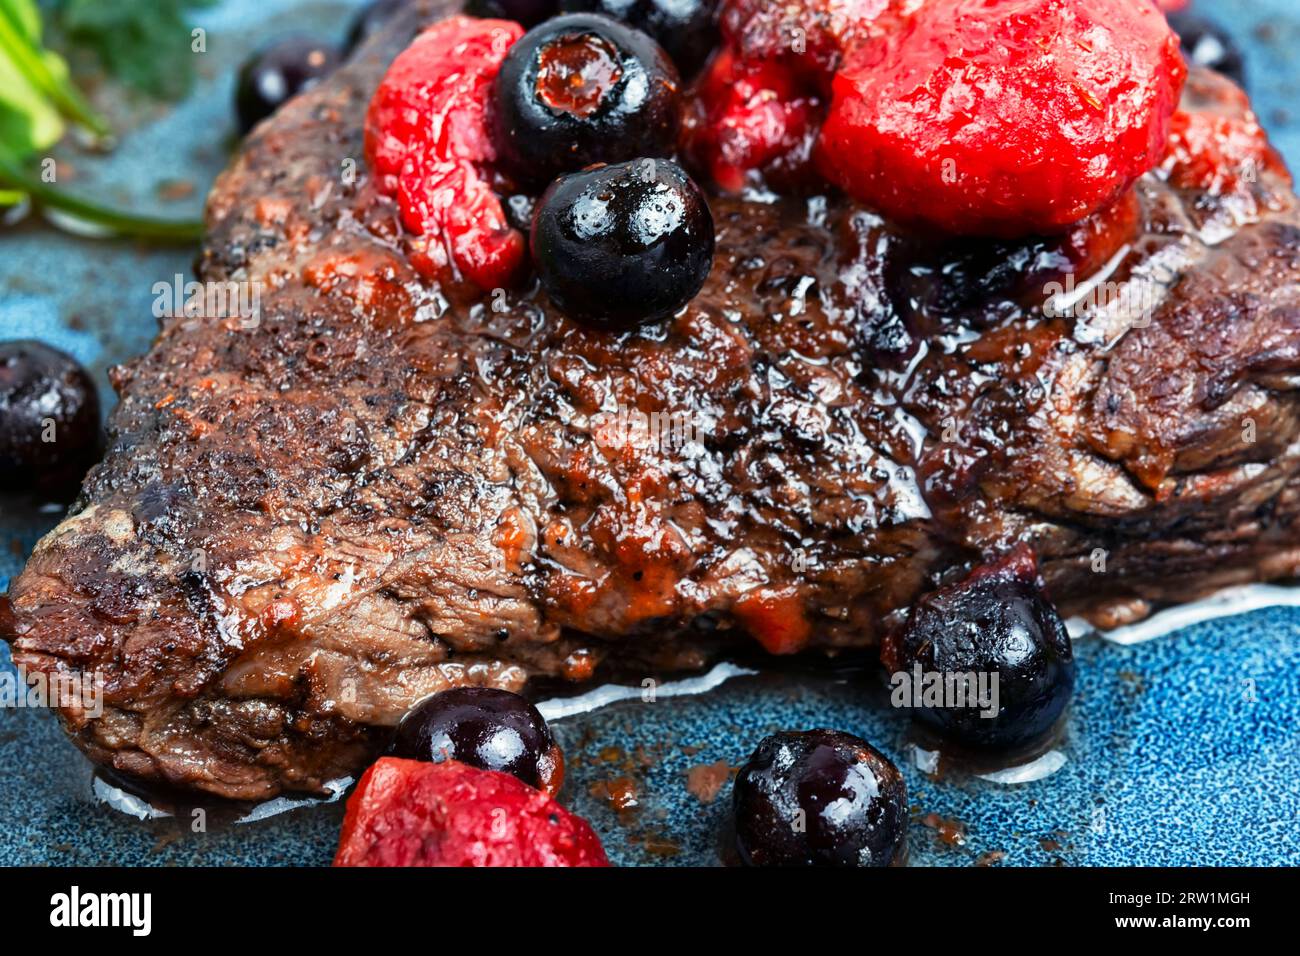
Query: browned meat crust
(385,489)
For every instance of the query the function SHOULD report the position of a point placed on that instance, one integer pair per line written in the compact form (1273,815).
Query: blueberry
(687,29)
(820,798)
(49,420)
(619,245)
(369,20)
(527,13)
(486,728)
(582,89)
(995,623)
(278,73)
(519,211)
(1205,43)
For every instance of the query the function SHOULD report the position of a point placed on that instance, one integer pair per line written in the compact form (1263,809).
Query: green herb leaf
(144,43)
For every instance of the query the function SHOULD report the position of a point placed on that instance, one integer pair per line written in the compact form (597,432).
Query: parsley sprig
(143,43)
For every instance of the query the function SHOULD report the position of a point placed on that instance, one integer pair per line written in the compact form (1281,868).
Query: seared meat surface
(382,488)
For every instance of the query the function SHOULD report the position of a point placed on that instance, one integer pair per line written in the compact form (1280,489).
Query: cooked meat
(381,488)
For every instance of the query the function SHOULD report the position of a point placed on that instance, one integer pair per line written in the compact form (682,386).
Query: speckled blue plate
(1182,750)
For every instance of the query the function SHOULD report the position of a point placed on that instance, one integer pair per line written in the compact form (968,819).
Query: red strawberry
(1004,117)
(428,145)
(412,813)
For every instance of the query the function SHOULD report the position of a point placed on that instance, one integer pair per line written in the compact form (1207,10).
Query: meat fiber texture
(377,488)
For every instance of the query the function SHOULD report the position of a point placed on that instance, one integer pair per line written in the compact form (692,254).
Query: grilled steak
(383,488)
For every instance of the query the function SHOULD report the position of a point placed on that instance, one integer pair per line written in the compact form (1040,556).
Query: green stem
(119,223)
(65,96)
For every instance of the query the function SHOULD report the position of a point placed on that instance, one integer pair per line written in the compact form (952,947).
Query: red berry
(428,145)
(750,115)
(809,36)
(1004,117)
(412,813)
(1217,145)
(759,104)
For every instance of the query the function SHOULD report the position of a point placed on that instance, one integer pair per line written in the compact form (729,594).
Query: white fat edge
(280,805)
(124,802)
(607,694)
(141,809)
(1040,767)
(1229,602)
(1036,769)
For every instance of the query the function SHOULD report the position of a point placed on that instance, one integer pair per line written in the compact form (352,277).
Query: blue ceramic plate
(1180,750)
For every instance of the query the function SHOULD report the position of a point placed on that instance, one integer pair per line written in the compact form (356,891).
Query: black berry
(1205,43)
(619,245)
(995,623)
(49,420)
(277,74)
(519,211)
(527,13)
(486,728)
(820,798)
(579,90)
(686,29)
